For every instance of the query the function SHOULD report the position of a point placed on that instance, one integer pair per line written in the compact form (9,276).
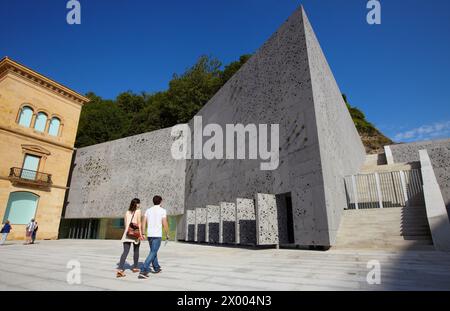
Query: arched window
(54,126)
(21,207)
(26,114)
(41,121)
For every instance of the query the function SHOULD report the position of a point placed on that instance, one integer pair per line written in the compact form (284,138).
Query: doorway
(285,219)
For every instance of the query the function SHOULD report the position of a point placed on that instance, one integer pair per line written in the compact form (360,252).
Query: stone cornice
(7,65)
(35,137)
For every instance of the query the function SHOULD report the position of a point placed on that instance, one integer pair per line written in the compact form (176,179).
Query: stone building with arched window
(38,125)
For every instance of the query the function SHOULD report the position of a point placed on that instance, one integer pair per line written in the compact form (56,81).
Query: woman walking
(131,236)
(5,231)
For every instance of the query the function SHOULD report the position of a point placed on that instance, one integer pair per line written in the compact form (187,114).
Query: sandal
(120,274)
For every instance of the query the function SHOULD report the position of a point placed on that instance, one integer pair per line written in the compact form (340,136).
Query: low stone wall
(440,160)
(403,153)
(436,211)
(439,153)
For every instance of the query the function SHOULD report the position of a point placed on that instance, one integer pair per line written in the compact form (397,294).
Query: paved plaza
(43,266)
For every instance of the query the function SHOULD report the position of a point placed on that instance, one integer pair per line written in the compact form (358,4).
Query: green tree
(372,138)
(131,103)
(188,93)
(233,67)
(131,114)
(100,121)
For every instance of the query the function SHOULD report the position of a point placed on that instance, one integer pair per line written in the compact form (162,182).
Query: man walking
(155,219)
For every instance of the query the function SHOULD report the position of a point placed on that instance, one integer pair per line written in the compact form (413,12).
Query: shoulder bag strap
(131,219)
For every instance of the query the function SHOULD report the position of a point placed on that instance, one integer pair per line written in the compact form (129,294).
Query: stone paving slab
(189,266)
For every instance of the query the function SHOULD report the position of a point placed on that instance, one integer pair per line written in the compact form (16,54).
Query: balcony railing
(20,175)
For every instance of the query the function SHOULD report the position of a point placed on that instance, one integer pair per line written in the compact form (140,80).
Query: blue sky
(398,72)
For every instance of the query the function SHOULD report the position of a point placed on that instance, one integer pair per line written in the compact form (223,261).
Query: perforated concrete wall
(287,82)
(200,224)
(439,153)
(246,221)
(190,225)
(440,160)
(227,223)
(266,219)
(212,223)
(341,150)
(106,177)
(409,152)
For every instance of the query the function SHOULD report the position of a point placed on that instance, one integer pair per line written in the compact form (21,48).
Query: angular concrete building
(286,82)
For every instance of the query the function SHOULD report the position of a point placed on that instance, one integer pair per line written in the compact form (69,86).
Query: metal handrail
(384,189)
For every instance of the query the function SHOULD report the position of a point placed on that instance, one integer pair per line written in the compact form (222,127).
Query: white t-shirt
(155,215)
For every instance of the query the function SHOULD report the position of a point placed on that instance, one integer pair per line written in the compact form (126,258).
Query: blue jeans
(152,258)
(4,237)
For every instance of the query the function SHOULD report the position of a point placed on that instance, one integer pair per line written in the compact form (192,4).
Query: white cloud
(425,132)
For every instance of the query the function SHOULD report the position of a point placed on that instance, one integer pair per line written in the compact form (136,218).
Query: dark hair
(157,200)
(133,204)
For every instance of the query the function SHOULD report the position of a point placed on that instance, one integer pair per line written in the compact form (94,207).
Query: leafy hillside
(372,138)
(130,113)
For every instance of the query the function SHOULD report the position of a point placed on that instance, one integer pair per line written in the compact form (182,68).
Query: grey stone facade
(409,152)
(440,160)
(246,222)
(287,82)
(212,223)
(266,219)
(200,225)
(439,153)
(227,223)
(106,177)
(190,225)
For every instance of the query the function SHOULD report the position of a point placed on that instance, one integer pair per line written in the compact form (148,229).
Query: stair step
(387,228)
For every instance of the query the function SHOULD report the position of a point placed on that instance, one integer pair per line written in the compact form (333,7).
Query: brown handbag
(133,231)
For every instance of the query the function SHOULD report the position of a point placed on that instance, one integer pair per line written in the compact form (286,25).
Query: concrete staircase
(386,211)
(397,228)
(388,228)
